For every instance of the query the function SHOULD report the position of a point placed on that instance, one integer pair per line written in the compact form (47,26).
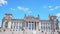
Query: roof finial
(38,15)
(25,15)
(49,14)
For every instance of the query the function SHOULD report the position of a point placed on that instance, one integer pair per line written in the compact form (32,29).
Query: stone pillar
(31,25)
(40,25)
(9,24)
(13,25)
(34,25)
(18,25)
(28,26)
(25,25)
(37,25)
(3,25)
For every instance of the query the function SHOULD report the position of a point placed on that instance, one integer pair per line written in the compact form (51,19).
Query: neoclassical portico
(32,25)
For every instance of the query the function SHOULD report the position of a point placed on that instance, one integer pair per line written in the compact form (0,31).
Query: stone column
(9,24)
(31,25)
(25,25)
(13,25)
(18,25)
(3,25)
(37,25)
(34,25)
(28,26)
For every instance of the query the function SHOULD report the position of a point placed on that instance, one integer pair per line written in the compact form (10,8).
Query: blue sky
(30,7)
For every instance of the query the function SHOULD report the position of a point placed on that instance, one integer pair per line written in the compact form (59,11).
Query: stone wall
(27,32)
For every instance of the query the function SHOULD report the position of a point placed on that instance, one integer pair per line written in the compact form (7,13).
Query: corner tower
(54,21)
(6,21)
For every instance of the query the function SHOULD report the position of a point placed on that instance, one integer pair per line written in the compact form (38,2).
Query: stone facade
(29,25)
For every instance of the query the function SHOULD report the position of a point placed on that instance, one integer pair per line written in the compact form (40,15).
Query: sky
(18,8)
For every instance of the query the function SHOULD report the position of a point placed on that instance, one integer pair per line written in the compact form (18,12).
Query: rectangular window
(29,25)
(32,25)
(35,25)
(16,27)
(11,27)
(6,24)
(42,28)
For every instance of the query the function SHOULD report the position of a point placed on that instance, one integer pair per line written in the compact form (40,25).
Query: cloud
(58,15)
(47,6)
(26,10)
(23,8)
(44,7)
(30,12)
(57,7)
(3,2)
(12,9)
(51,8)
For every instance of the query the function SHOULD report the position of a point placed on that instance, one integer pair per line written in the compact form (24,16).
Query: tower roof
(8,14)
